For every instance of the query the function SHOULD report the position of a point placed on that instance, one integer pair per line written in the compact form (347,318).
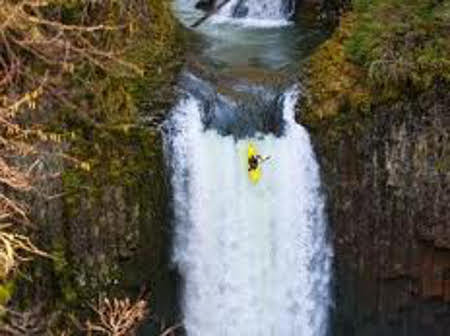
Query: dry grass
(117,317)
(42,44)
(29,323)
(14,249)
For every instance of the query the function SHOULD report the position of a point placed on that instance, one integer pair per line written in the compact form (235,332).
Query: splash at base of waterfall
(254,258)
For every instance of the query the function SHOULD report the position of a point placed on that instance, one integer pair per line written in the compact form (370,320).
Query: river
(254,258)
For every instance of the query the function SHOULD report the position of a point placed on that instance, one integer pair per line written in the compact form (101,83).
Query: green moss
(64,272)
(443,164)
(401,43)
(339,92)
(110,147)
(69,294)
(7,290)
(60,262)
(383,51)
(111,150)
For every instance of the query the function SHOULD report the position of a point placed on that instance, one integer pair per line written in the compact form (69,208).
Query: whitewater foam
(254,258)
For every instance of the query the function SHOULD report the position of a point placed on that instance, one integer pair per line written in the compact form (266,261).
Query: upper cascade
(260,9)
(241,110)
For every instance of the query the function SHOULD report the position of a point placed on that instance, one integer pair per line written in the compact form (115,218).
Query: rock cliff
(386,169)
(389,193)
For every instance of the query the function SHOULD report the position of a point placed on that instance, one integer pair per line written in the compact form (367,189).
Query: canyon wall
(388,187)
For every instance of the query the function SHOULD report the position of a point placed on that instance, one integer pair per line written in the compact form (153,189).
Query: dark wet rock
(241,10)
(389,199)
(237,106)
(289,8)
(107,228)
(205,5)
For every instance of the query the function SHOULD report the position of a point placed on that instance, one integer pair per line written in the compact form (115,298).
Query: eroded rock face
(107,229)
(241,10)
(389,195)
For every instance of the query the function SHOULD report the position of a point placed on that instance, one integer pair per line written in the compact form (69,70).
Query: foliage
(382,51)
(70,72)
(42,45)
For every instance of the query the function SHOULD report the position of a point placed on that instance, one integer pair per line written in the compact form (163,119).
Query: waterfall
(254,258)
(260,9)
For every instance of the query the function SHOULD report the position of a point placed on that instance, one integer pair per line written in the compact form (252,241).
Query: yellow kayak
(255,174)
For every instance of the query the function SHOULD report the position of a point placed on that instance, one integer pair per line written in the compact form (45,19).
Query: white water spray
(258,9)
(254,258)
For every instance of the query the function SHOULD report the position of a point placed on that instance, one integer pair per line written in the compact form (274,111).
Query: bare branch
(117,317)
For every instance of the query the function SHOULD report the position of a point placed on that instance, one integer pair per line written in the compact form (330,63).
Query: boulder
(205,5)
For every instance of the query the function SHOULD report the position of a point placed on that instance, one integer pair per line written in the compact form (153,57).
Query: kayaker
(255,160)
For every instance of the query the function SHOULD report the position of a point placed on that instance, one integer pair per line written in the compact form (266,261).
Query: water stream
(255,259)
